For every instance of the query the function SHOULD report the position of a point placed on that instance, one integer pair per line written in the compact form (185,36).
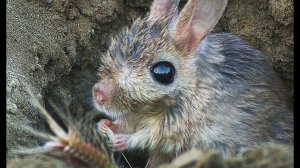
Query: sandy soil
(54,46)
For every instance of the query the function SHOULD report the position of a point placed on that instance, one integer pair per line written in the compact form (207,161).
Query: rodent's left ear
(163,9)
(195,21)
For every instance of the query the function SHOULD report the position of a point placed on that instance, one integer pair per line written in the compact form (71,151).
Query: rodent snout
(99,96)
(101,91)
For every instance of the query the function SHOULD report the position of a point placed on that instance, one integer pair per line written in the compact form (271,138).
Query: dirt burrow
(54,47)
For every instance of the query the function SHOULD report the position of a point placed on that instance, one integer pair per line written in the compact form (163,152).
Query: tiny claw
(105,124)
(119,143)
(117,146)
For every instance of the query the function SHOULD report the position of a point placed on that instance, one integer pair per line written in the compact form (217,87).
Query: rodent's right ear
(195,21)
(163,9)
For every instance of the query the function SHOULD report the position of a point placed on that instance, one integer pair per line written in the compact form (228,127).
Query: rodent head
(154,63)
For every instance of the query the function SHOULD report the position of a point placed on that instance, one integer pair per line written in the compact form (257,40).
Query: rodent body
(224,95)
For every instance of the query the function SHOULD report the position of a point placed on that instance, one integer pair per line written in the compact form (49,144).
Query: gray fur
(225,95)
(248,106)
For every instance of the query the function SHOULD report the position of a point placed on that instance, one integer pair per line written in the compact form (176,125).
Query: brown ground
(54,46)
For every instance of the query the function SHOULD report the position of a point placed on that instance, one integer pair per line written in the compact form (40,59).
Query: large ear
(195,21)
(163,9)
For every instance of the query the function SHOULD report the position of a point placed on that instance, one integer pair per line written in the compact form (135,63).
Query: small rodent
(170,85)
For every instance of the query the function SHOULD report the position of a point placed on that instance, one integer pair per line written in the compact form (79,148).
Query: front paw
(119,142)
(105,125)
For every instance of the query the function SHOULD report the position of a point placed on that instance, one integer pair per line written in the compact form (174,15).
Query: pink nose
(100,96)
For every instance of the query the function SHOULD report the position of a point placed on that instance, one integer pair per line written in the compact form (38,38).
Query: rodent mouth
(108,111)
(114,114)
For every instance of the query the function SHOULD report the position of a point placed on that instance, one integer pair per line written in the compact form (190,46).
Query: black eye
(163,72)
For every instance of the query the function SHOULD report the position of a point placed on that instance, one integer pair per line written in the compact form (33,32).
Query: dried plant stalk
(69,145)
